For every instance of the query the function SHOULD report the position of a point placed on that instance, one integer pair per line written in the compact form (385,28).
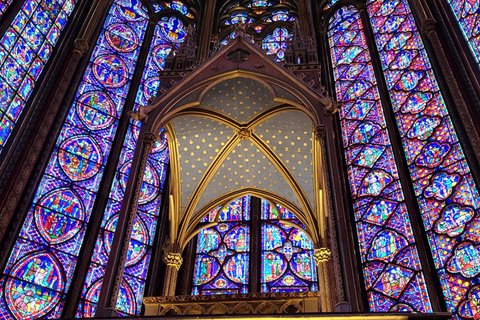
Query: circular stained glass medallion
(11,73)
(150,185)
(80,157)
(59,215)
(236,268)
(136,248)
(302,265)
(150,87)
(121,37)
(96,110)
(110,71)
(173,29)
(36,280)
(160,53)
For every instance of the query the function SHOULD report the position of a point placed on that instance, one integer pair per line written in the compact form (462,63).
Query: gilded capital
(173,259)
(321,255)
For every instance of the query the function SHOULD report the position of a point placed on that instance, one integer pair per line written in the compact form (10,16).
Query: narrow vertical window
(467,13)
(222,259)
(287,253)
(170,30)
(41,266)
(391,266)
(446,193)
(25,49)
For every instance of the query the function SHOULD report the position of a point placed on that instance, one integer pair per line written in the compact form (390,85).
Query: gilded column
(173,261)
(321,257)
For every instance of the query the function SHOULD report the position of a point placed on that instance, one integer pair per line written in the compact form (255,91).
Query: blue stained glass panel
(446,193)
(169,29)
(275,43)
(287,263)
(222,260)
(387,246)
(4,6)
(24,51)
(42,263)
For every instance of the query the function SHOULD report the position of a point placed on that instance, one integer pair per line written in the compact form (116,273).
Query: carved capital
(80,46)
(149,139)
(429,26)
(244,134)
(320,132)
(331,106)
(173,259)
(321,255)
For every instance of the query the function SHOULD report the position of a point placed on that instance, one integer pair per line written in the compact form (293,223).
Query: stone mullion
(205,34)
(115,268)
(174,261)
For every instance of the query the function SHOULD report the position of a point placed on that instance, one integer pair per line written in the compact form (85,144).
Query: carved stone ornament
(321,255)
(173,259)
(331,106)
(80,46)
(239,55)
(244,134)
(320,132)
(149,139)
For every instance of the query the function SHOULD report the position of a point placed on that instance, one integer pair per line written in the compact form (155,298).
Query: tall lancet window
(391,266)
(25,49)
(224,261)
(41,266)
(467,13)
(445,191)
(169,31)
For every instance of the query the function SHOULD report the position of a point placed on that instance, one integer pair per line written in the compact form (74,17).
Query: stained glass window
(390,261)
(287,253)
(41,266)
(180,7)
(24,50)
(276,43)
(169,30)
(4,6)
(467,13)
(446,193)
(222,259)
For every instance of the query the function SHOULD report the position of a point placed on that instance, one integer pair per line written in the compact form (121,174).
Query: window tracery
(257,15)
(25,49)
(223,259)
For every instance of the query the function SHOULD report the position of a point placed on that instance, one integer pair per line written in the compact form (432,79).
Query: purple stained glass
(24,50)
(467,13)
(169,30)
(41,265)
(446,193)
(222,259)
(275,43)
(287,263)
(390,262)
